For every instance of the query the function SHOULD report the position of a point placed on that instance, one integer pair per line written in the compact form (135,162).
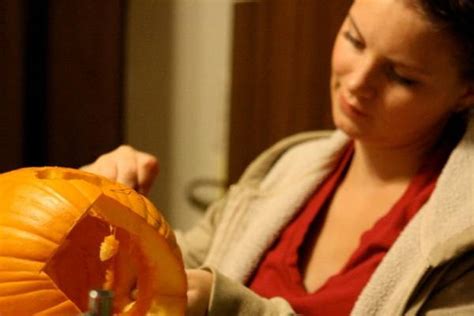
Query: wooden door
(11,79)
(85,79)
(280,76)
(61,86)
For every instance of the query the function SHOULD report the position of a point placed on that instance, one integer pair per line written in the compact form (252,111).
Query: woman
(374,219)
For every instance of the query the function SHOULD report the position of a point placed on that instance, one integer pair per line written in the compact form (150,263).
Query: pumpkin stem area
(76,267)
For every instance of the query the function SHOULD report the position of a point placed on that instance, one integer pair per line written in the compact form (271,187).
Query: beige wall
(177,94)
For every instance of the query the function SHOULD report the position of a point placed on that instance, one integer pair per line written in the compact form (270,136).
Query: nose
(362,80)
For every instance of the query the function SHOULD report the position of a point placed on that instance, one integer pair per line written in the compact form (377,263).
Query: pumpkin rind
(41,207)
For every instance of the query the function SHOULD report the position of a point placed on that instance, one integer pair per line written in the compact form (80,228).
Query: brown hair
(456,17)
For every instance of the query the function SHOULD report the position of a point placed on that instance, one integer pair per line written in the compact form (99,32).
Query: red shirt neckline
(278,273)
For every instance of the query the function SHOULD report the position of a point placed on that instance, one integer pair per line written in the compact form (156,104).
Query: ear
(467,99)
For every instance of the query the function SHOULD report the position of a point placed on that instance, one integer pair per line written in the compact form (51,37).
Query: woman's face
(395,79)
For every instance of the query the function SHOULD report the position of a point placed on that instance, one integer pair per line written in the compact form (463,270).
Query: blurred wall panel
(177,100)
(85,79)
(148,92)
(11,81)
(280,72)
(35,114)
(61,87)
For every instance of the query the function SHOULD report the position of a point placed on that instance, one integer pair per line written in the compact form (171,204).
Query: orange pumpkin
(65,231)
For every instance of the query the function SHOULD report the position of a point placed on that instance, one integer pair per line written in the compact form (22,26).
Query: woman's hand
(128,166)
(199,292)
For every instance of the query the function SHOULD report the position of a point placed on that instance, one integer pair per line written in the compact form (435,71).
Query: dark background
(62,65)
(61,81)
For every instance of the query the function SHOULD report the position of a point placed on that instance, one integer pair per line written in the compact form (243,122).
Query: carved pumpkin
(64,232)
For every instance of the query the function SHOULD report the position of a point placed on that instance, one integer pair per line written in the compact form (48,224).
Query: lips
(349,108)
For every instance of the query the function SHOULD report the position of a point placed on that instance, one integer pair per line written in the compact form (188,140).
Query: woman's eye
(394,76)
(353,40)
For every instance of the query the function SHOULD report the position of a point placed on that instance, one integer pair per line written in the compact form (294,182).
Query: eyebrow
(400,63)
(351,19)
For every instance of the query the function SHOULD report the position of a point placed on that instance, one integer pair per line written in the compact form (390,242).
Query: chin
(344,123)
(349,130)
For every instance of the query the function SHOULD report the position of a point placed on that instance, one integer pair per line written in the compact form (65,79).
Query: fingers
(136,169)
(102,167)
(148,168)
(106,169)
(199,291)
(128,166)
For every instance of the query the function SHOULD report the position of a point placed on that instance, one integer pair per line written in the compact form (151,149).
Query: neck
(383,165)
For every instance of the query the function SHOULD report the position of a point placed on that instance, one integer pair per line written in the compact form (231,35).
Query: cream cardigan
(429,269)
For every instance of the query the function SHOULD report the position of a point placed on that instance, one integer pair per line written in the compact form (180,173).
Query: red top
(278,273)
